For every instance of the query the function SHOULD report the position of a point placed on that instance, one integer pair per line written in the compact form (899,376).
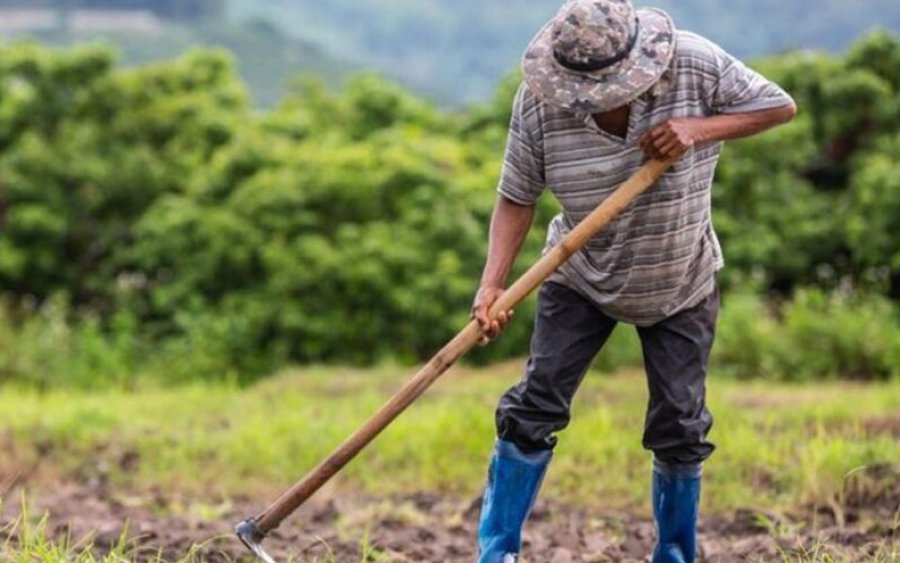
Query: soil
(434,528)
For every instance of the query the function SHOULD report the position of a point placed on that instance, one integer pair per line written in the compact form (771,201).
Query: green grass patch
(780,445)
(33,544)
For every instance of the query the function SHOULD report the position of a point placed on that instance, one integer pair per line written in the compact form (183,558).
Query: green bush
(43,348)
(49,348)
(747,337)
(191,234)
(840,335)
(814,336)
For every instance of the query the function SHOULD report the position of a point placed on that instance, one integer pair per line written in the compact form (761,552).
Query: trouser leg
(568,333)
(676,354)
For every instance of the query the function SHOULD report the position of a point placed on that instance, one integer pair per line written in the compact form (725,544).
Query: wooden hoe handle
(270,518)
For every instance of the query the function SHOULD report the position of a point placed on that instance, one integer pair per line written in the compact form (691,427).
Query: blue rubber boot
(676,503)
(513,482)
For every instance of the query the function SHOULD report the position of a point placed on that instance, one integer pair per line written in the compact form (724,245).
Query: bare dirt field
(433,528)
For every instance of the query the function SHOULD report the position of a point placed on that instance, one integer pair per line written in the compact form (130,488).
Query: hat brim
(613,87)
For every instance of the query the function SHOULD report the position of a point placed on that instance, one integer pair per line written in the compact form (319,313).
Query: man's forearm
(510,223)
(672,138)
(728,127)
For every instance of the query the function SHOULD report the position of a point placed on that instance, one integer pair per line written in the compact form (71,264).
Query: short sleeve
(522,177)
(739,89)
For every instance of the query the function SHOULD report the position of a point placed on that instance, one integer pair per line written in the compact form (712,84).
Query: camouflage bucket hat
(597,55)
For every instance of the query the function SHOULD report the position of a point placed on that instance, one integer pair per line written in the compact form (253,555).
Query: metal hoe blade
(249,533)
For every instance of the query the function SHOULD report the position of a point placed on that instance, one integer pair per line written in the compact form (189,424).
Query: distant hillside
(267,57)
(456,50)
(181,10)
(267,54)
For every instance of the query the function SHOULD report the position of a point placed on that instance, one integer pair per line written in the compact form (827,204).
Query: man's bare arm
(674,137)
(510,223)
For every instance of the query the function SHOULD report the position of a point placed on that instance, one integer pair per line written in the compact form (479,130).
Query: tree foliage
(812,201)
(351,227)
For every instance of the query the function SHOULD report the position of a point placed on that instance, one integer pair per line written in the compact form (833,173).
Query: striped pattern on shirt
(660,255)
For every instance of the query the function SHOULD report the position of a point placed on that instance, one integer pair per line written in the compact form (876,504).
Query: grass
(779,445)
(822,552)
(34,545)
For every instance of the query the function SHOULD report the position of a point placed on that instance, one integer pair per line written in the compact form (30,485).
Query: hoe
(254,530)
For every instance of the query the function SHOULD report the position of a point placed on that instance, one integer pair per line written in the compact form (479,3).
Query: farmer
(607,86)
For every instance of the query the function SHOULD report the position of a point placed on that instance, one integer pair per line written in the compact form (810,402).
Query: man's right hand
(492,328)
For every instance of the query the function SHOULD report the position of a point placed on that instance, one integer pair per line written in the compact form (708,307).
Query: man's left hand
(671,139)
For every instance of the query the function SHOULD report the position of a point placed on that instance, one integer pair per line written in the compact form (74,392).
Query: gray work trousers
(569,331)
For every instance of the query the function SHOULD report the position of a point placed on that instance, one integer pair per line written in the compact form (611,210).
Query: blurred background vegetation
(161,223)
(453,51)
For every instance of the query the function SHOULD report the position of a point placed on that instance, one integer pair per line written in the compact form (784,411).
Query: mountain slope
(456,50)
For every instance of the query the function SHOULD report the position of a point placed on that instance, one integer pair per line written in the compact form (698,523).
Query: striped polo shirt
(660,255)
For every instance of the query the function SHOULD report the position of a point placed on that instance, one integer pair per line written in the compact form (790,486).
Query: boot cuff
(509,450)
(678,470)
